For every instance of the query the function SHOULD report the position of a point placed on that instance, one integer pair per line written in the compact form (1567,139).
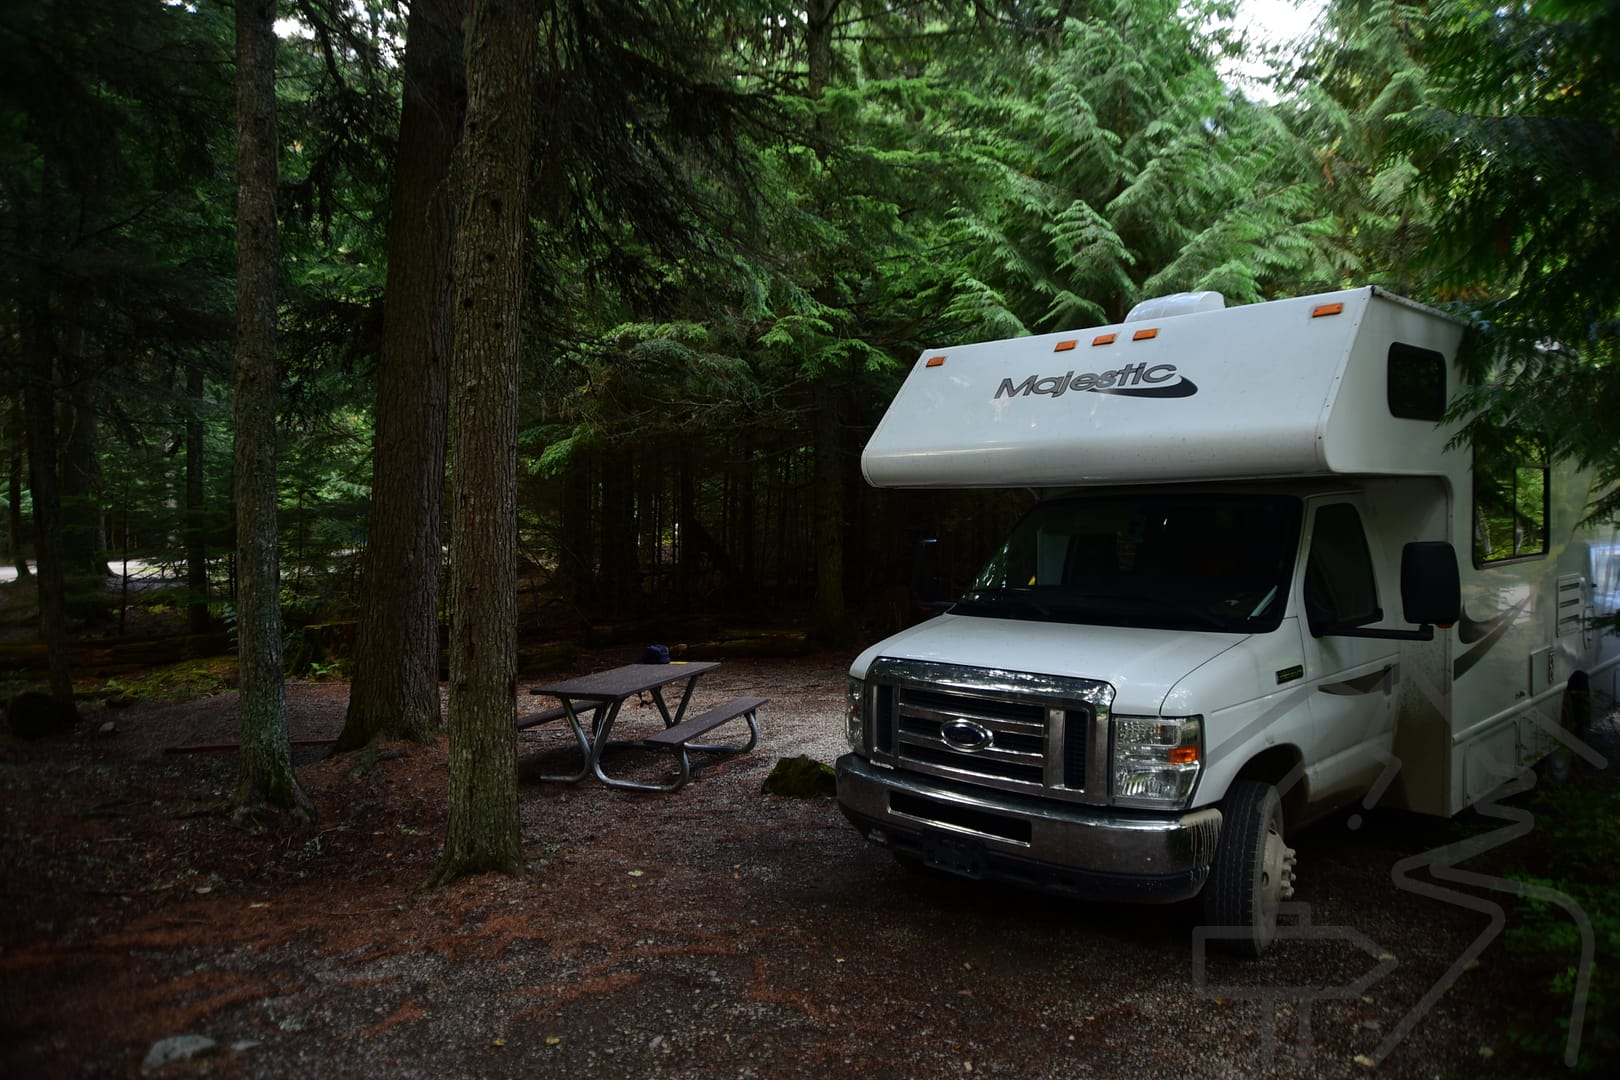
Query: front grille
(1016,731)
(1017,748)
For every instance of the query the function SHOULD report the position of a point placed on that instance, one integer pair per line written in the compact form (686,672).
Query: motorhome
(1262,580)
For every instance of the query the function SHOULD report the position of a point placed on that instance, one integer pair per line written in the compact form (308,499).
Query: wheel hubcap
(1276,870)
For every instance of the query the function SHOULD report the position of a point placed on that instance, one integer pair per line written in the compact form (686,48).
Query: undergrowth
(174,682)
(1576,853)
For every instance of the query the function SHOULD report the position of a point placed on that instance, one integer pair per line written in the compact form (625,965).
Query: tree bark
(819,27)
(85,556)
(619,581)
(196,531)
(830,617)
(576,565)
(483,825)
(266,775)
(831,621)
(39,408)
(17,450)
(395,692)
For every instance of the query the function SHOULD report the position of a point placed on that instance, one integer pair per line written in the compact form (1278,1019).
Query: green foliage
(1349,100)
(173,682)
(1121,168)
(1577,855)
(745,222)
(1515,140)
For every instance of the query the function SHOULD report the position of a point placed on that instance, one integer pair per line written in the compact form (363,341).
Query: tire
(1253,871)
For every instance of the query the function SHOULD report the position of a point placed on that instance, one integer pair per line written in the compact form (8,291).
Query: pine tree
(493,172)
(1517,143)
(395,691)
(265,775)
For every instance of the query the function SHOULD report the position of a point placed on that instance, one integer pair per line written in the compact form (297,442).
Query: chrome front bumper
(1054,846)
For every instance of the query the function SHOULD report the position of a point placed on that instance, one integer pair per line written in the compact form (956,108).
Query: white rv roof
(1282,389)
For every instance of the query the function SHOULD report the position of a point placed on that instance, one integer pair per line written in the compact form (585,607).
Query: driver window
(1340,589)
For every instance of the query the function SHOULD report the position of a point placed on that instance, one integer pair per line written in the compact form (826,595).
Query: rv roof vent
(1181,303)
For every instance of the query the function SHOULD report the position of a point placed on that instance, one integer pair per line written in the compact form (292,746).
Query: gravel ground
(711,932)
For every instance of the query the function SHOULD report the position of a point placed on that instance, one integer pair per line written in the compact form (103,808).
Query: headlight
(855,715)
(1157,760)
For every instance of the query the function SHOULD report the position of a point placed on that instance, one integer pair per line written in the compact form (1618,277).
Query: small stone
(176,1048)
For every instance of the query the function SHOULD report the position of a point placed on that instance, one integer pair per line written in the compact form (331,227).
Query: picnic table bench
(604,694)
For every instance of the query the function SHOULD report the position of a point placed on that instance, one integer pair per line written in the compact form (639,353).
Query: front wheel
(1253,872)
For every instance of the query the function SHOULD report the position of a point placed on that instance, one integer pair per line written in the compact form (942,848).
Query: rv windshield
(1173,561)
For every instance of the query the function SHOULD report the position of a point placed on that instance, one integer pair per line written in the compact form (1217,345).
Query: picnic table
(603,695)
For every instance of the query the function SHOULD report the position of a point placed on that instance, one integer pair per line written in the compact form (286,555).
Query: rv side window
(1417,383)
(1510,499)
(1340,590)
(1604,573)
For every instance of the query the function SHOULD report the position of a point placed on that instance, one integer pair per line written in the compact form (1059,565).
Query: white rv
(1236,606)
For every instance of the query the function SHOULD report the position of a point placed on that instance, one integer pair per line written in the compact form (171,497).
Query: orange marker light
(935,361)
(1326,309)
(1064,346)
(1144,335)
(1183,755)
(1104,339)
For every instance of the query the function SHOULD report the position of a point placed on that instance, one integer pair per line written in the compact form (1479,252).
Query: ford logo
(965,735)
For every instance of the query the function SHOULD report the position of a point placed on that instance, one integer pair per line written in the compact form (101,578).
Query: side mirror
(1431,589)
(1431,594)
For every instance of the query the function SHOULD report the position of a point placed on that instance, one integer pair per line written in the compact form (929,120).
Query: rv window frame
(1348,539)
(1525,446)
(1407,360)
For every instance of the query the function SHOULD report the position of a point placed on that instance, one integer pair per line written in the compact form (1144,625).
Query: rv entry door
(1353,678)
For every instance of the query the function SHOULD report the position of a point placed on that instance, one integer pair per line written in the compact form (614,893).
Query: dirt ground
(711,932)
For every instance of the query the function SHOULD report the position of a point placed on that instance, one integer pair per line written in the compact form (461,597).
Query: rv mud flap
(954,855)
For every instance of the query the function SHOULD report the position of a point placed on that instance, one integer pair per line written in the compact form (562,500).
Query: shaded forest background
(742,223)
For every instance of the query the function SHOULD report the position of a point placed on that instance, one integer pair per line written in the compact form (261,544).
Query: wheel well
(1274,766)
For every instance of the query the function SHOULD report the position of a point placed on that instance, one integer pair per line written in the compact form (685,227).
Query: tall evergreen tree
(1129,169)
(16,457)
(112,110)
(1517,143)
(395,692)
(265,774)
(1349,101)
(493,224)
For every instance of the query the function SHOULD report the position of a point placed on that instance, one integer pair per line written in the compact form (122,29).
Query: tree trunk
(686,568)
(819,27)
(748,542)
(395,692)
(16,447)
(483,826)
(620,575)
(831,621)
(266,774)
(575,564)
(85,555)
(39,407)
(196,532)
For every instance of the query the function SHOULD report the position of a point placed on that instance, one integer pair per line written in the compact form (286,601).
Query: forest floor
(715,931)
